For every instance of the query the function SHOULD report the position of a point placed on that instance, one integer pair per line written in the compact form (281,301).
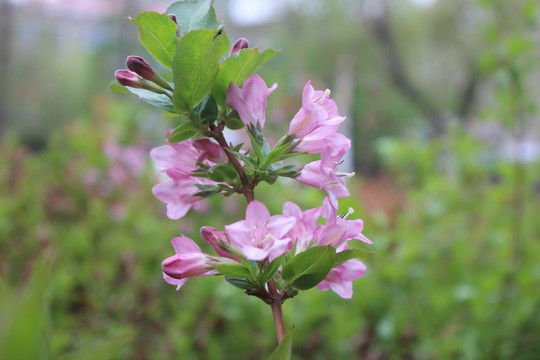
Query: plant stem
(272,297)
(277,310)
(247,189)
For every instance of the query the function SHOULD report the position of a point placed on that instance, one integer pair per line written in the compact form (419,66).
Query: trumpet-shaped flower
(323,175)
(317,110)
(179,195)
(250,100)
(338,230)
(261,236)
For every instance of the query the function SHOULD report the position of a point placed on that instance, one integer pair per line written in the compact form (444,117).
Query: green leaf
(310,267)
(162,101)
(236,68)
(157,33)
(117,88)
(194,15)
(271,269)
(239,283)
(183,132)
(206,111)
(233,121)
(222,173)
(249,161)
(291,171)
(235,271)
(208,190)
(346,255)
(196,65)
(284,349)
(274,156)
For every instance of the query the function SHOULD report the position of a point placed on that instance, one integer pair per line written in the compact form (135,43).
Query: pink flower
(338,230)
(340,278)
(250,100)
(179,195)
(260,235)
(326,141)
(189,261)
(178,161)
(306,230)
(323,175)
(317,110)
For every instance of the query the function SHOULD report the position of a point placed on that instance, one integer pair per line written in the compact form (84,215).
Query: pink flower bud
(138,65)
(220,242)
(128,78)
(239,44)
(173,18)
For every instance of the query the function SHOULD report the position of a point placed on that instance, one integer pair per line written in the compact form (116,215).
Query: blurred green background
(442,104)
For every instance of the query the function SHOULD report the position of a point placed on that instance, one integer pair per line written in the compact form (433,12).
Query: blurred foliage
(454,218)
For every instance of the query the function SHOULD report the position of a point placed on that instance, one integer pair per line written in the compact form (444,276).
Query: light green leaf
(284,349)
(157,33)
(117,88)
(162,101)
(310,267)
(236,68)
(196,65)
(194,15)
(235,271)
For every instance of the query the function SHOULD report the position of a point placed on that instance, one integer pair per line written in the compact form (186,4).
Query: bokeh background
(442,104)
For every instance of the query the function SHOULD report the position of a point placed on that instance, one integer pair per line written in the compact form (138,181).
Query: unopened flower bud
(239,45)
(138,65)
(131,79)
(221,243)
(173,18)
(128,78)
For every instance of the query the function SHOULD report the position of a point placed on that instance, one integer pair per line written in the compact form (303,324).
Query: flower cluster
(213,87)
(261,237)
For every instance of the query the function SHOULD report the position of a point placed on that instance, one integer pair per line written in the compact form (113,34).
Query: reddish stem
(247,188)
(277,310)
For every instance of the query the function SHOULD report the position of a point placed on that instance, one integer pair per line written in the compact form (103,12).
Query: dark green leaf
(249,161)
(233,121)
(284,349)
(194,15)
(183,132)
(157,33)
(310,267)
(206,111)
(196,65)
(271,269)
(162,101)
(291,171)
(345,255)
(239,283)
(236,68)
(235,271)
(208,190)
